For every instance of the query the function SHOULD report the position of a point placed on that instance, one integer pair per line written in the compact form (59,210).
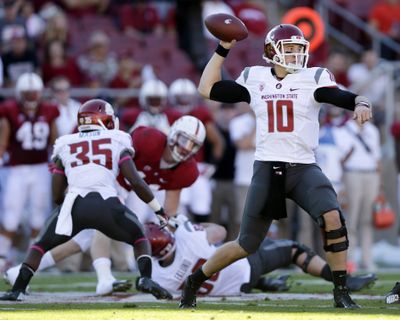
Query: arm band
(221,51)
(123,159)
(338,97)
(229,91)
(59,171)
(154,205)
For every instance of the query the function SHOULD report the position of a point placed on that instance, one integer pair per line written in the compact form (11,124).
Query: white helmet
(183,94)
(29,89)
(185,138)
(153,95)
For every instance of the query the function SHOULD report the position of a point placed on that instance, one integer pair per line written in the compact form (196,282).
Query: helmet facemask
(183,94)
(30,99)
(155,104)
(185,102)
(166,252)
(183,146)
(280,56)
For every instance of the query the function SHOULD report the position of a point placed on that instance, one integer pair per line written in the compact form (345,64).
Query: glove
(176,221)
(162,217)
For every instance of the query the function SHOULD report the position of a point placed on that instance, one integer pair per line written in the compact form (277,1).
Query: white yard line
(88,297)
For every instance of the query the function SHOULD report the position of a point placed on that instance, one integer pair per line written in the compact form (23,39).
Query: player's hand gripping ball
(226,27)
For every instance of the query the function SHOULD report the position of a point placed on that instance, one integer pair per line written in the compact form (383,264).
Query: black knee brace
(334,234)
(300,248)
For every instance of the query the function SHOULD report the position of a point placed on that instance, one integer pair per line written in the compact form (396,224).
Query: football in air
(226,27)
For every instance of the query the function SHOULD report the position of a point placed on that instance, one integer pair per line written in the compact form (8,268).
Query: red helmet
(275,40)
(162,241)
(97,114)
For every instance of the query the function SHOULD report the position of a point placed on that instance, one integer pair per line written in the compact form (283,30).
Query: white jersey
(286,112)
(192,250)
(90,160)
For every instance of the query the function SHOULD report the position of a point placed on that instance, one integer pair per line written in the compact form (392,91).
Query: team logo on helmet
(97,114)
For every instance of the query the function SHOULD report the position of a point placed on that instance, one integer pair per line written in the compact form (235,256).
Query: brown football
(226,27)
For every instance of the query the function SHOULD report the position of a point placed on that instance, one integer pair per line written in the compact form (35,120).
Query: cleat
(394,295)
(11,275)
(342,299)
(356,283)
(147,285)
(13,296)
(105,288)
(121,285)
(273,284)
(188,298)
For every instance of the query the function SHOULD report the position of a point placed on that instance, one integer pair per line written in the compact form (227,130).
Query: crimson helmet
(162,241)
(274,51)
(29,88)
(97,114)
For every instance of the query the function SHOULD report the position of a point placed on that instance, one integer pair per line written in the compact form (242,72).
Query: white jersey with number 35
(91,160)
(286,112)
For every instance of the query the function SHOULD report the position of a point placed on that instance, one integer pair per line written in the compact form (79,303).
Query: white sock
(47,261)
(102,266)
(5,245)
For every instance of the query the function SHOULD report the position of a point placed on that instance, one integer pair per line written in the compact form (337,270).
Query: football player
(28,131)
(167,163)
(286,100)
(87,163)
(183,251)
(197,198)
(168,166)
(153,100)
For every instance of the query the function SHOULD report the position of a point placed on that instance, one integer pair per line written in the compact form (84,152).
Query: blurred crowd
(149,48)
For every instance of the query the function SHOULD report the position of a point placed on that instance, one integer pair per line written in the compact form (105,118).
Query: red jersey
(29,137)
(149,144)
(204,115)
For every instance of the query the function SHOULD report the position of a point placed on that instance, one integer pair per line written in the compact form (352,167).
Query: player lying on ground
(87,163)
(178,254)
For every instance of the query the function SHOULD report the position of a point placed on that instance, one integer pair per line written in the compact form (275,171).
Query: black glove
(162,217)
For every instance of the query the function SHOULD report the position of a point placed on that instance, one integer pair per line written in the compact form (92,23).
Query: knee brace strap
(337,247)
(336,234)
(300,248)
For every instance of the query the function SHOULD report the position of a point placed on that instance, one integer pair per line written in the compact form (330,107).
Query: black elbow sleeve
(229,91)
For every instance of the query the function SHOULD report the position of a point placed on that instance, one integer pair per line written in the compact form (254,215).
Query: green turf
(290,309)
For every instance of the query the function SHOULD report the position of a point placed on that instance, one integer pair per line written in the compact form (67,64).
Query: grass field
(70,296)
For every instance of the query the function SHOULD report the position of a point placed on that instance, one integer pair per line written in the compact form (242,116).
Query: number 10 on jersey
(280,115)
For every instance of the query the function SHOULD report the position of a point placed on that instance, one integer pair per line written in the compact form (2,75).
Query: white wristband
(154,204)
